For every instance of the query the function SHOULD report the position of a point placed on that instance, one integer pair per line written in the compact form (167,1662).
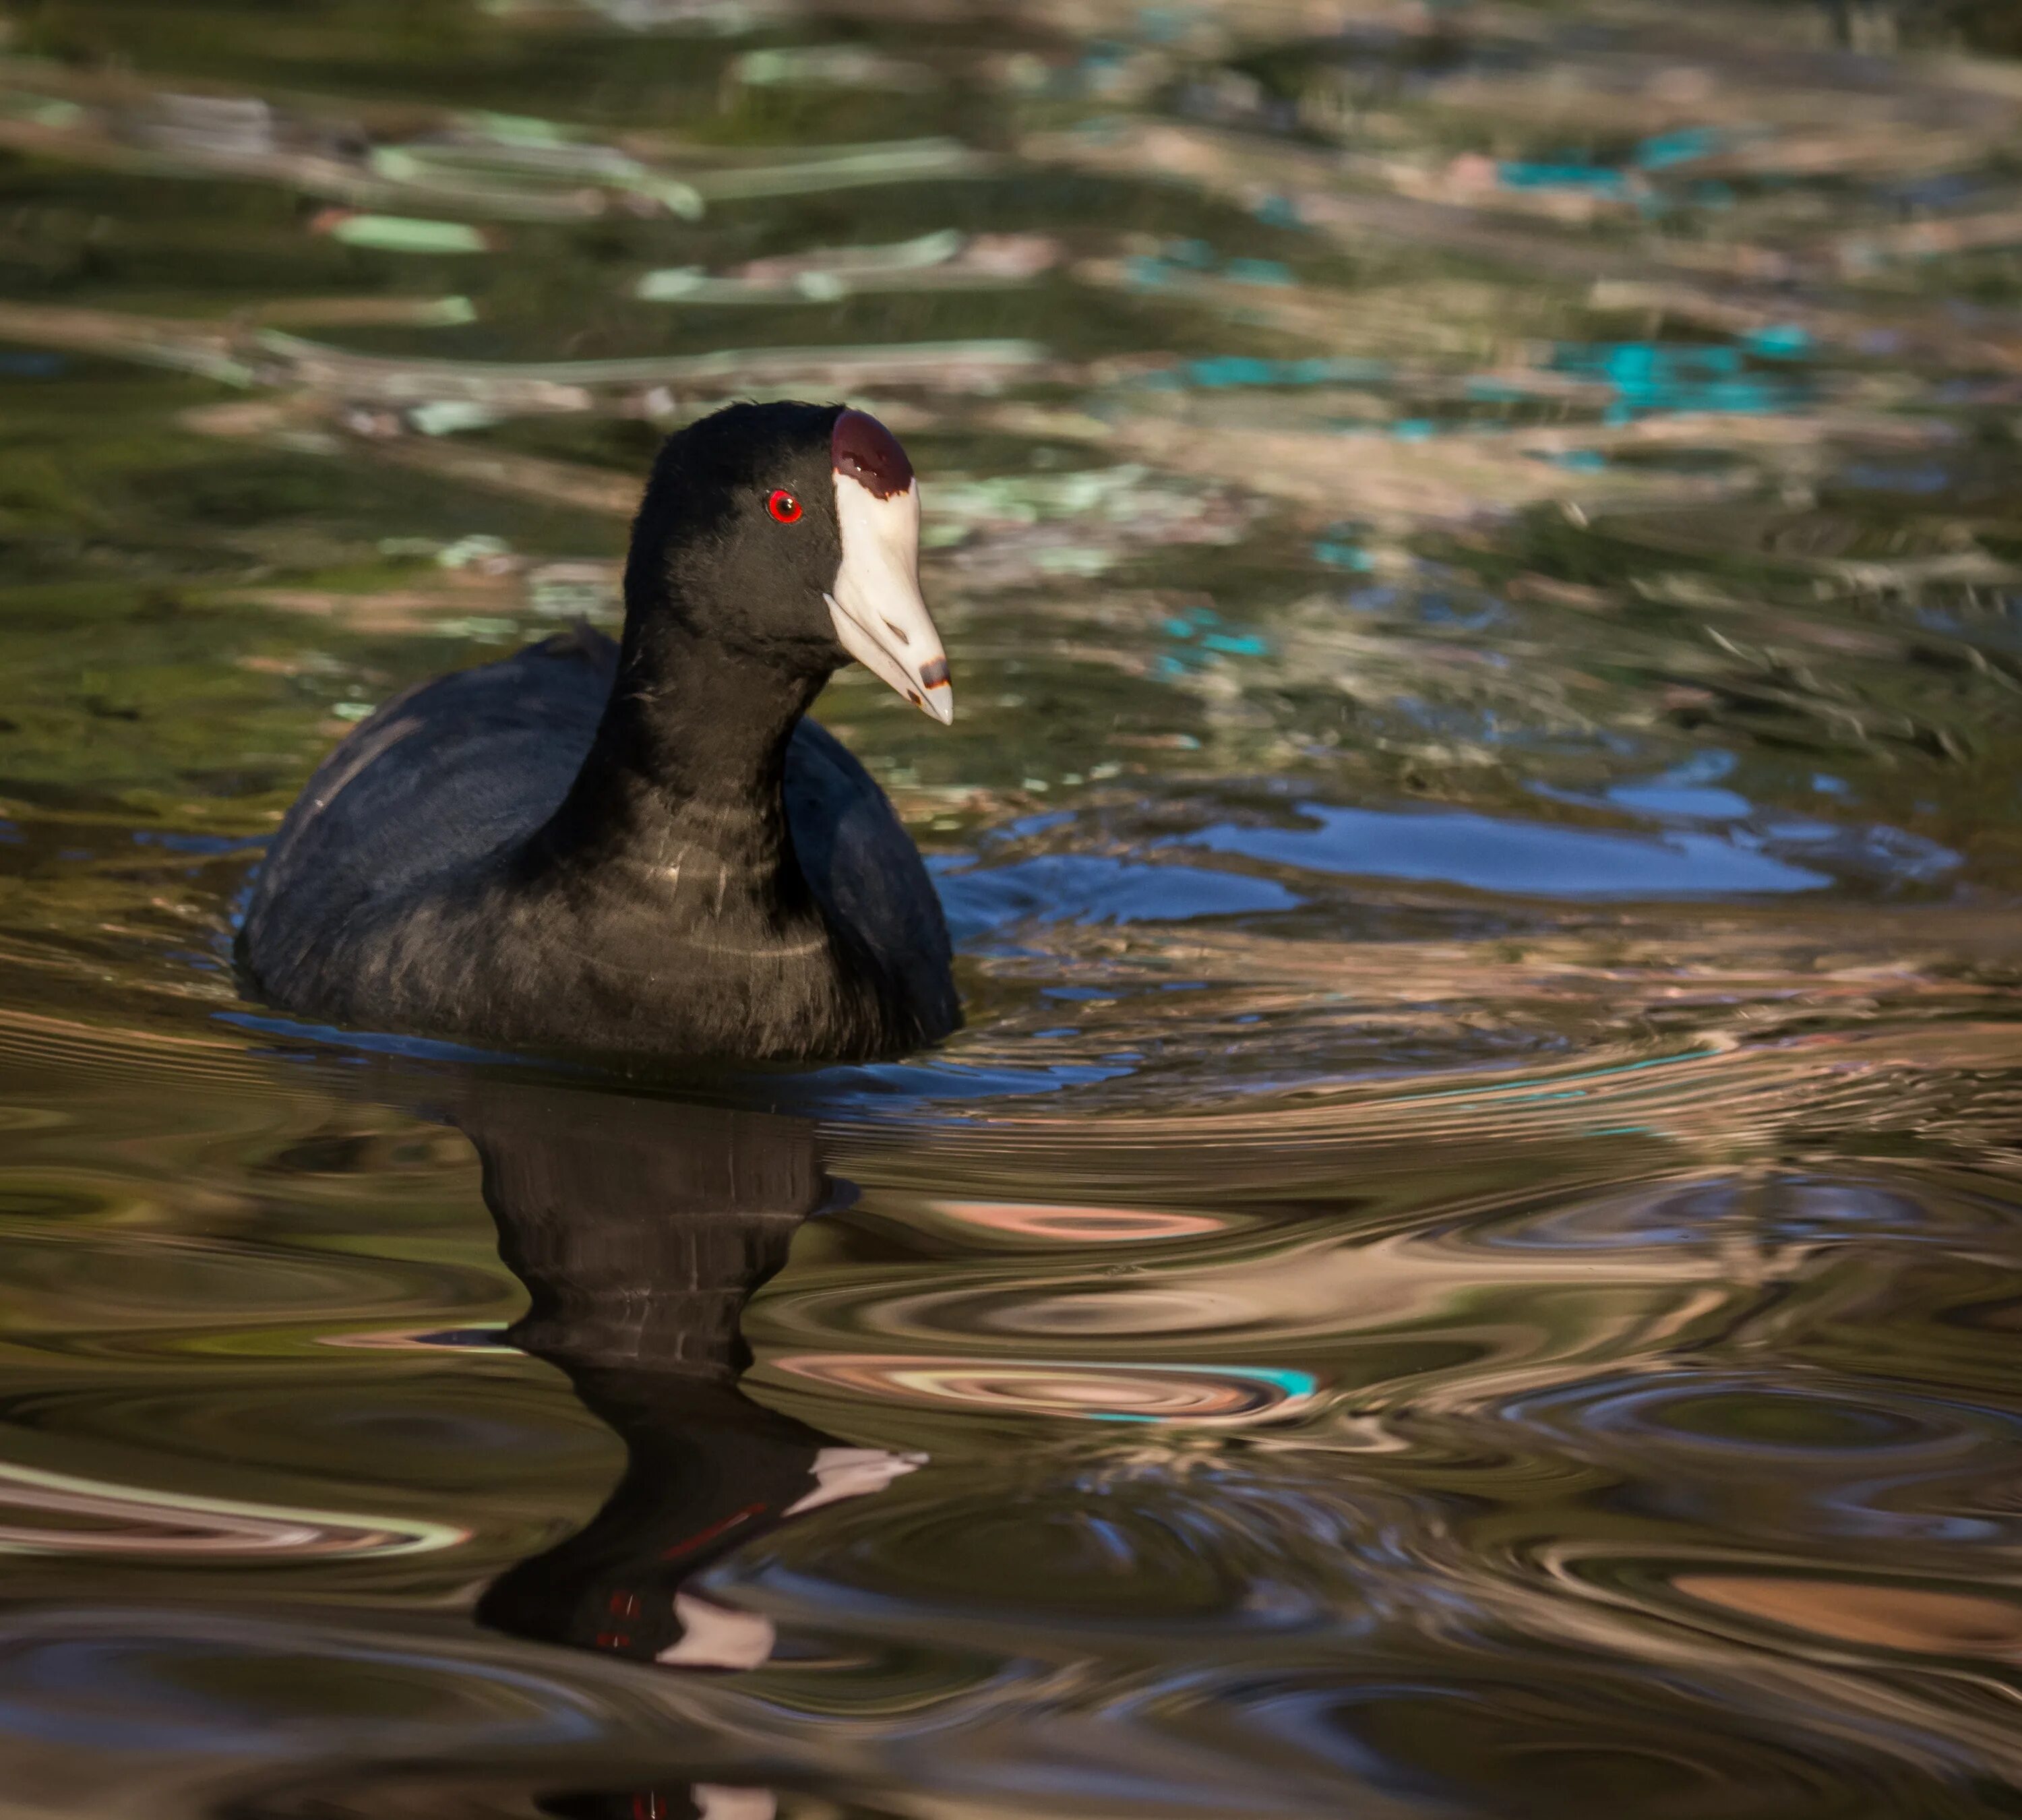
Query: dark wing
(863,868)
(445,773)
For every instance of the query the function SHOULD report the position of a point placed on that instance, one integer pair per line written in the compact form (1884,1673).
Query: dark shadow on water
(639,1229)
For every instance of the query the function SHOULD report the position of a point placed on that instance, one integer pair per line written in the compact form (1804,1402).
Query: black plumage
(642,850)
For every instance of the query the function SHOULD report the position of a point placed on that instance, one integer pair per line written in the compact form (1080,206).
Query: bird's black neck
(669,873)
(683,780)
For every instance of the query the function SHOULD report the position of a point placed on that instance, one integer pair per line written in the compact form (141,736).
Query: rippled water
(1466,1262)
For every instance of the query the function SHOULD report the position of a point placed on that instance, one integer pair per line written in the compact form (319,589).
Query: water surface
(1465,1263)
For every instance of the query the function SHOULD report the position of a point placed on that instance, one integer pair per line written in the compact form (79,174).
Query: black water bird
(646,849)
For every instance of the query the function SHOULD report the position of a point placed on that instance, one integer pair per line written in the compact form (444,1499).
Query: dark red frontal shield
(870,454)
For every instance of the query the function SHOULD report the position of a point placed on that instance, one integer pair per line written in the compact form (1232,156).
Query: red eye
(783,506)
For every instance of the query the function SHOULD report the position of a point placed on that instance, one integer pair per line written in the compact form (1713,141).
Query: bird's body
(642,850)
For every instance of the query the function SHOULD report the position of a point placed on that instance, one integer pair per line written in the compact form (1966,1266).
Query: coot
(645,850)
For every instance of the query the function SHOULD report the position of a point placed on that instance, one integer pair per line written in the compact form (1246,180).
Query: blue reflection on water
(1092,888)
(1683,802)
(1687,792)
(1536,859)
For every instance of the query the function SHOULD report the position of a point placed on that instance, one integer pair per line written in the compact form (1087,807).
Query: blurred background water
(1465,1263)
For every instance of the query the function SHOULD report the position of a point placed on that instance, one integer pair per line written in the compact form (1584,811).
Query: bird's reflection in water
(639,1229)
